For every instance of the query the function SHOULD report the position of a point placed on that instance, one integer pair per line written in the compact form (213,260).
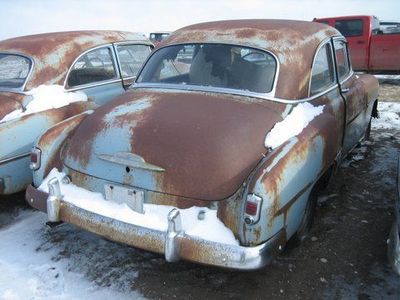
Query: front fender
(50,144)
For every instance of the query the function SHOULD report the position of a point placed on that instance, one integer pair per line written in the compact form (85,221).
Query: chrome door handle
(345,90)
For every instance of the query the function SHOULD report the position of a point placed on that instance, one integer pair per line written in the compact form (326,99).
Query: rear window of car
(212,65)
(14,70)
(350,27)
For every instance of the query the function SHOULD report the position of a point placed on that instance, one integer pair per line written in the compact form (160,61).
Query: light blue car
(50,77)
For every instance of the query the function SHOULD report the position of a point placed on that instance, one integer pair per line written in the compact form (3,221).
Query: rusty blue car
(217,152)
(47,78)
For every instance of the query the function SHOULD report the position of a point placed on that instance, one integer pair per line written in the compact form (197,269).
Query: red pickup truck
(374,45)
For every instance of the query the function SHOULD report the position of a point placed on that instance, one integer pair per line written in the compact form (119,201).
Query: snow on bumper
(173,241)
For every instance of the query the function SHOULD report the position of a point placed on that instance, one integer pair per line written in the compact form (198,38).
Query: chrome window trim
(15,157)
(82,86)
(115,46)
(269,94)
(323,43)
(132,42)
(22,88)
(194,88)
(91,85)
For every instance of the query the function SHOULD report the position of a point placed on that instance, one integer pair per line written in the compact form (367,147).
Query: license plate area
(134,198)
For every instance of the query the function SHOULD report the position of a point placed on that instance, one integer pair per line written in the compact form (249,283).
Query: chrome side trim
(90,85)
(10,159)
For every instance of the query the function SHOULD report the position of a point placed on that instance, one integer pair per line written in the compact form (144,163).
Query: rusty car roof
(293,42)
(53,53)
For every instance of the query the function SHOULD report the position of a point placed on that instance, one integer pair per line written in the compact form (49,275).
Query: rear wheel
(307,220)
(368,130)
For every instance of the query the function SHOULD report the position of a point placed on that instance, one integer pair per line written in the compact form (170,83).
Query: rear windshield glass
(215,65)
(14,70)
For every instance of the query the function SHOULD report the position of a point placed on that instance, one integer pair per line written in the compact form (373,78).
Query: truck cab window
(350,27)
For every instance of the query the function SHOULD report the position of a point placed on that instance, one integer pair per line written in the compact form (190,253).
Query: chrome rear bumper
(174,243)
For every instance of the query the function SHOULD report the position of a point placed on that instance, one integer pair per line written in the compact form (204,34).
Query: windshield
(215,65)
(14,70)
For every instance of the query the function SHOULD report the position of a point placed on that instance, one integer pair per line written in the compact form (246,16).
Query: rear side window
(95,66)
(323,73)
(131,58)
(342,59)
(350,27)
(14,70)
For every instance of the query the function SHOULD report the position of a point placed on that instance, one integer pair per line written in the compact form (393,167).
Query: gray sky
(22,17)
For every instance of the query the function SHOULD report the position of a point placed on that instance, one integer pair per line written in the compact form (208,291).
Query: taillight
(35,158)
(252,209)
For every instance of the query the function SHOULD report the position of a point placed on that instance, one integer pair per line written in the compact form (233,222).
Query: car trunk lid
(190,144)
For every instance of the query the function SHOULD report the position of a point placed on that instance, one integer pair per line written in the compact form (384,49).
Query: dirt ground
(344,257)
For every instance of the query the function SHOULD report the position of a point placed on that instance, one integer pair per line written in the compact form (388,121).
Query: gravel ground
(344,257)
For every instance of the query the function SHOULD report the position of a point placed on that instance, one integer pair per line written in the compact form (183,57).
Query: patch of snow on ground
(389,116)
(29,273)
(293,124)
(46,97)
(155,216)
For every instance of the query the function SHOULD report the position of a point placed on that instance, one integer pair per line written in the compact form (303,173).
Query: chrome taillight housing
(35,158)
(252,209)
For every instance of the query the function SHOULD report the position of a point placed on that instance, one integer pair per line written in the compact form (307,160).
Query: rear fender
(284,181)
(50,144)
(17,137)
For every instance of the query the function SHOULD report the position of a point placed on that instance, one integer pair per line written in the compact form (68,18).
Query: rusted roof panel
(293,42)
(53,53)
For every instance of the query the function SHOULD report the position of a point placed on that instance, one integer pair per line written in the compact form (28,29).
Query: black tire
(368,130)
(307,220)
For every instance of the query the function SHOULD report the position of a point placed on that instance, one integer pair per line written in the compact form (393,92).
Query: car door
(352,91)
(96,73)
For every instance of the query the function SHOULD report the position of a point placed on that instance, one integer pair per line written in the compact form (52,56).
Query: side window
(342,59)
(323,73)
(350,27)
(94,66)
(131,58)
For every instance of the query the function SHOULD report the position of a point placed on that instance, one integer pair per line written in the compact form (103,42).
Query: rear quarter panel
(17,137)
(286,177)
